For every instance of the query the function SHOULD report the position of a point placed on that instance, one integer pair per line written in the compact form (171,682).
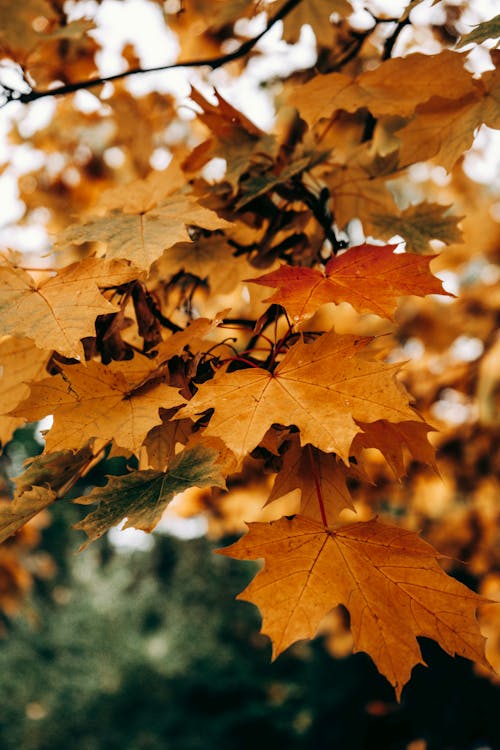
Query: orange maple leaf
(309,470)
(388,578)
(392,439)
(370,277)
(395,87)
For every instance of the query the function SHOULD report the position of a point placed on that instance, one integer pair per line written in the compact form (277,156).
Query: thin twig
(213,63)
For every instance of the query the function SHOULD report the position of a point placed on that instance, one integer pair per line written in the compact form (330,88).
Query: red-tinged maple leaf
(370,277)
(321,388)
(388,578)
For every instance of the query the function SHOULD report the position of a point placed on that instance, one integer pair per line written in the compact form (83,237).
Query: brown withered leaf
(320,387)
(370,277)
(388,578)
(58,312)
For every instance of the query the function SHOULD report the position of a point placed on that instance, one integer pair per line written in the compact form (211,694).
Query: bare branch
(213,63)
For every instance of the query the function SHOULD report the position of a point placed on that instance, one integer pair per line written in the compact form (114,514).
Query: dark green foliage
(149,652)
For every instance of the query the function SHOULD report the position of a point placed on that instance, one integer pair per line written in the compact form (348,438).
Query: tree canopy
(253,317)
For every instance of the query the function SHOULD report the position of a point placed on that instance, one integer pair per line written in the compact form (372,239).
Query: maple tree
(154,333)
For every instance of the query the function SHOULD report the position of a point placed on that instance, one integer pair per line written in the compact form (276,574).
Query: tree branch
(213,63)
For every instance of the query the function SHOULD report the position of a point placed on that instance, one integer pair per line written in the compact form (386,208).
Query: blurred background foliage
(120,649)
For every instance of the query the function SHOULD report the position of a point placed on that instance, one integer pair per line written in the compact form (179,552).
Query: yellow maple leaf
(392,439)
(21,362)
(388,578)
(104,401)
(60,311)
(442,129)
(358,191)
(315,13)
(210,258)
(321,388)
(142,235)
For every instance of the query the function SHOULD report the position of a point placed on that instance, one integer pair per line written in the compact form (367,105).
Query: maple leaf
(142,235)
(31,25)
(321,388)
(142,496)
(388,578)
(370,277)
(235,138)
(359,190)
(210,258)
(53,470)
(395,87)
(105,401)
(442,129)
(262,182)
(162,440)
(418,225)
(22,509)
(315,13)
(392,439)
(21,362)
(311,471)
(60,311)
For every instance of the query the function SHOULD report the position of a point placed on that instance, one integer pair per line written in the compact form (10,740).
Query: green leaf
(480,33)
(418,225)
(53,469)
(142,496)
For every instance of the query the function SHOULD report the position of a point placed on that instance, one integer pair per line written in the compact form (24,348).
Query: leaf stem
(317,482)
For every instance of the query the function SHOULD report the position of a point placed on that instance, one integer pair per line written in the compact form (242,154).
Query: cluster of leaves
(198,326)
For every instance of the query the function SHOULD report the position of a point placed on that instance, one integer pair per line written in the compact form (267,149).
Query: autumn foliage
(248,333)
